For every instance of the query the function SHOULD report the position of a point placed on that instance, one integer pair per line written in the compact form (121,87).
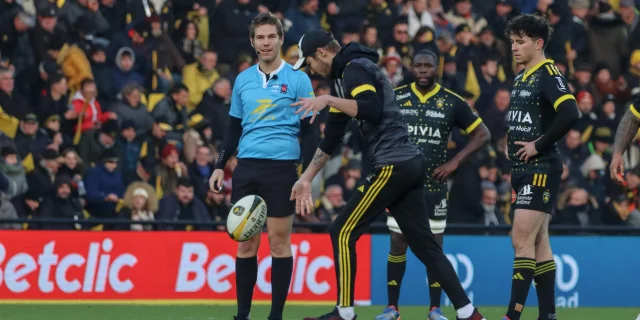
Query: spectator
(170,169)
(593,172)
(347,177)
(230,21)
(218,208)
(331,203)
(462,14)
(152,146)
(104,186)
(579,209)
(130,109)
(400,43)
(12,103)
(66,205)
(393,70)
(71,59)
(607,39)
(59,140)
(419,17)
(504,11)
(129,145)
(136,39)
(30,139)
(198,77)
(303,16)
(71,165)
(573,151)
(496,117)
(123,74)
(15,45)
(489,201)
(173,108)
(41,35)
(54,101)
(189,45)
(370,38)
(103,74)
(87,108)
(40,182)
(181,205)
(200,171)
(215,106)
(140,204)
(630,16)
(95,143)
(8,211)
(14,172)
(168,62)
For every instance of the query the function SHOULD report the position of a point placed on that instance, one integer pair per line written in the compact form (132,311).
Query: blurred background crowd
(115,109)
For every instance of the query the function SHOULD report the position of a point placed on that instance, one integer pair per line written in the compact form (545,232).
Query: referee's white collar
(264,76)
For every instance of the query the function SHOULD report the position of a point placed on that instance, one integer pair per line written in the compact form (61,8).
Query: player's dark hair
(427,53)
(530,25)
(263,19)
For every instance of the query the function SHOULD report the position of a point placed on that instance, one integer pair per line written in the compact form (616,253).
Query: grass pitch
(70,311)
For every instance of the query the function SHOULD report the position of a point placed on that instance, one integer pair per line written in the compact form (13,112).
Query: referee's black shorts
(272,180)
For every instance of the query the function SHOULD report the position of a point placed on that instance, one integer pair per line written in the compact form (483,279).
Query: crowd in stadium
(116,108)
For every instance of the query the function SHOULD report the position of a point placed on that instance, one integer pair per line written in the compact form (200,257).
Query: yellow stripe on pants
(347,229)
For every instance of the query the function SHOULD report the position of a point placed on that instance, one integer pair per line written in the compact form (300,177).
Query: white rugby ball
(246,218)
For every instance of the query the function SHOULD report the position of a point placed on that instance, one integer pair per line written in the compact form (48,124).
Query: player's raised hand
(617,168)
(301,193)
(527,151)
(313,105)
(215,182)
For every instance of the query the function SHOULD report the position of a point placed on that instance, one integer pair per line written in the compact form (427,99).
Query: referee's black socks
(523,270)
(281,270)
(545,280)
(246,276)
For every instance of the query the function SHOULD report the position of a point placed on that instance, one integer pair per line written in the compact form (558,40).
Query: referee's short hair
(266,18)
(530,25)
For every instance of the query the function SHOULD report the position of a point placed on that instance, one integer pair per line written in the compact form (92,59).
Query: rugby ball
(246,218)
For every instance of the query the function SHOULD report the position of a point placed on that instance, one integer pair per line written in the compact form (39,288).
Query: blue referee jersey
(269,125)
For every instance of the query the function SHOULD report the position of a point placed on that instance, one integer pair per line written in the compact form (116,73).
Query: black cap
(50,154)
(309,43)
(47,10)
(30,118)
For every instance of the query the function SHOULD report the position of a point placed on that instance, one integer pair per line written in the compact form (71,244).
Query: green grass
(215,312)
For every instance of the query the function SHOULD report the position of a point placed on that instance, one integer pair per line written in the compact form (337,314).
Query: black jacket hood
(349,52)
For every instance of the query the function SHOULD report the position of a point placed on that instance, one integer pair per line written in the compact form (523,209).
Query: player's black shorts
(272,180)
(535,191)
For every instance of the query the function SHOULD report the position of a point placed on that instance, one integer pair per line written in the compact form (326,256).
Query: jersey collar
(423,98)
(264,76)
(536,67)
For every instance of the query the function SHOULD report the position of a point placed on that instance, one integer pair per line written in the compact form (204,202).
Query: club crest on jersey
(546,195)
(440,103)
(283,88)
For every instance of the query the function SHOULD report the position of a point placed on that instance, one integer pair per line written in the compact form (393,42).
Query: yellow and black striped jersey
(431,118)
(536,95)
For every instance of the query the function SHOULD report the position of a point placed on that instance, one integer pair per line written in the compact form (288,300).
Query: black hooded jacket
(356,76)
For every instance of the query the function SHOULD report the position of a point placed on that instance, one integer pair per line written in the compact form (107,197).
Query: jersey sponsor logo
(434,114)
(259,112)
(440,209)
(424,131)
(407,104)
(409,112)
(561,85)
(524,195)
(525,93)
(520,116)
(403,96)
(283,88)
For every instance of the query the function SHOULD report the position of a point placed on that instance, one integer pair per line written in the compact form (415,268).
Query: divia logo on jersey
(463,266)
(523,120)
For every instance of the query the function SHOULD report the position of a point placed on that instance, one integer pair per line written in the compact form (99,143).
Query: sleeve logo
(561,85)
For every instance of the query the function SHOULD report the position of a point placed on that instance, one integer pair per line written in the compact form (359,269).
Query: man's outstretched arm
(627,130)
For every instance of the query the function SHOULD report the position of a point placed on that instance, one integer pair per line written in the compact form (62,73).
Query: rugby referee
(265,129)
(360,90)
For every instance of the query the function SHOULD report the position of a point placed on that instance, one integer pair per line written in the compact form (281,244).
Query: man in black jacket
(360,90)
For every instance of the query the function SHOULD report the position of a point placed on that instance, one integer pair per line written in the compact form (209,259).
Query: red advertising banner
(53,265)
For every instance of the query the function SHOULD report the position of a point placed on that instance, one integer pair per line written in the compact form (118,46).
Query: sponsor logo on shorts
(441,209)
(546,195)
(524,195)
